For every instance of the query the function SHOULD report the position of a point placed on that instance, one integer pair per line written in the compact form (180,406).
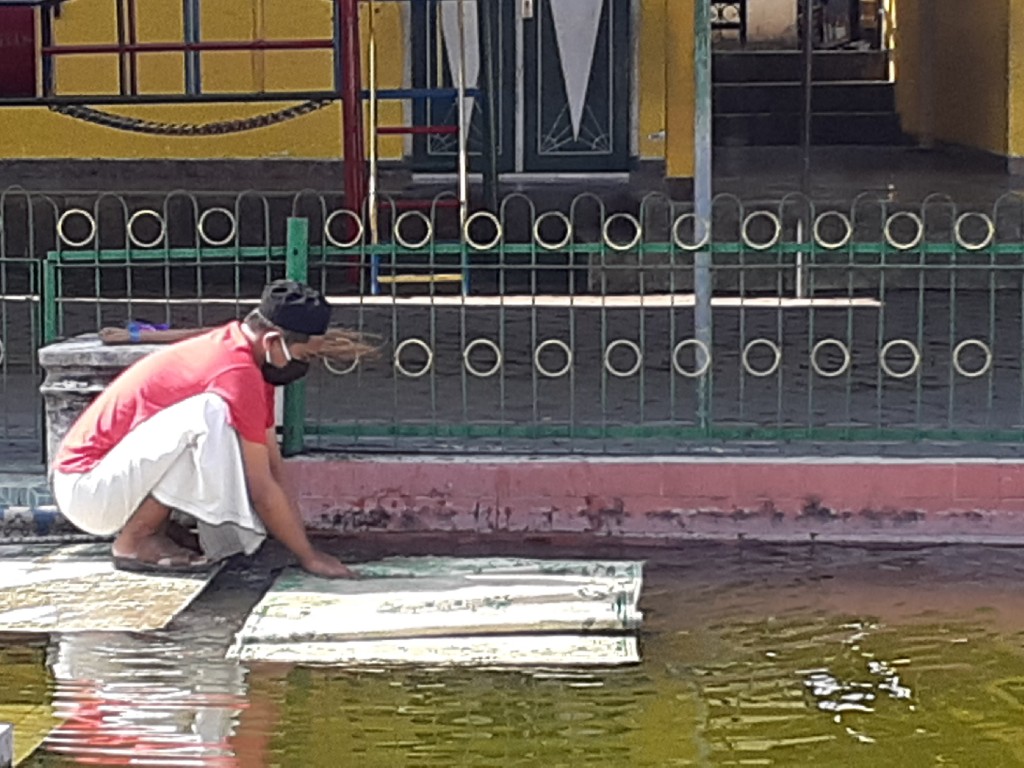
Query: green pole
(49,301)
(296,268)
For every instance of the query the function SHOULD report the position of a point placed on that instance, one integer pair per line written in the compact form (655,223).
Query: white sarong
(186,456)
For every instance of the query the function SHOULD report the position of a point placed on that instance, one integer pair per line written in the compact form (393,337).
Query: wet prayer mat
(76,588)
(451,611)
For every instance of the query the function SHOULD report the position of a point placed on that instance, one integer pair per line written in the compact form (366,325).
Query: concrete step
(781,98)
(787,66)
(846,128)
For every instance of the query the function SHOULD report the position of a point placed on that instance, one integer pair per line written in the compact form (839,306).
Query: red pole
(352,110)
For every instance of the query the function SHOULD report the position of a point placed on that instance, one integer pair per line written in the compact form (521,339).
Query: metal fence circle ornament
(771,241)
(400,239)
(549,245)
(699,242)
(138,242)
(754,344)
(700,370)
(335,370)
(912,242)
(486,344)
(476,245)
(547,372)
(990,231)
(628,245)
(329,234)
(413,342)
(883,358)
(638,358)
(201,226)
(843,349)
(62,221)
(968,344)
(833,245)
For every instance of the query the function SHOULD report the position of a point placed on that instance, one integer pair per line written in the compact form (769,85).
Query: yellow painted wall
(969,56)
(37,133)
(905,40)
(1015,138)
(679,89)
(651,77)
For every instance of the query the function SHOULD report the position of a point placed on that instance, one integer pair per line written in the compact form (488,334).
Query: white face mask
(266,348)
(291,371)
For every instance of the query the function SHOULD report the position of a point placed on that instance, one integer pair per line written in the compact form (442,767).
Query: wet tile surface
(76,588)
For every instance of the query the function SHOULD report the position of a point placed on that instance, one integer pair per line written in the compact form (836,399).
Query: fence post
(49,298)
(702,191)
(296,268)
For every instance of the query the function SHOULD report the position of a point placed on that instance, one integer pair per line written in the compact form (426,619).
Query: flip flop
(133,564)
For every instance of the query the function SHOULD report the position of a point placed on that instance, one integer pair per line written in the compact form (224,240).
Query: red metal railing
(344,42)
(182,47)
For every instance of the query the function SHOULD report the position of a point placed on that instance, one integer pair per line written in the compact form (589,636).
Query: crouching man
(191,428)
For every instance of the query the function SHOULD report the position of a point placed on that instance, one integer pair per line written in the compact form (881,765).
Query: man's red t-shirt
(218,362)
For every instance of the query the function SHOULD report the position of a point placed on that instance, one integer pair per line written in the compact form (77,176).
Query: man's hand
(321,564)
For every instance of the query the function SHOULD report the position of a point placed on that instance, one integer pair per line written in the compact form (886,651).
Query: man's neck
(251,335)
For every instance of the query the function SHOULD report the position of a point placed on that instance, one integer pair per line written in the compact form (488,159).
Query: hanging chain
(138,125)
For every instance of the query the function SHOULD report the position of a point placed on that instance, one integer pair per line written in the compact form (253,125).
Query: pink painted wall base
(954,500)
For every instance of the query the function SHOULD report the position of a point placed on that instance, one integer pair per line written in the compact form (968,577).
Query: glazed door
(577,68)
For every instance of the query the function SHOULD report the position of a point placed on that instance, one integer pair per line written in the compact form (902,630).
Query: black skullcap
(295,307)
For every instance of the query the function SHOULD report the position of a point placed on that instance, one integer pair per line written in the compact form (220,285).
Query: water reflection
(143,700)
(751,656)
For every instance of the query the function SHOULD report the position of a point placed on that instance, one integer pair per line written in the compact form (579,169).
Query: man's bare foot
(328,566)
(156,550)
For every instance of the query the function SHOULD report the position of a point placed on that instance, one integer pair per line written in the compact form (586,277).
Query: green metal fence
(176,260)
(22,218)
(567,326)
(574,329)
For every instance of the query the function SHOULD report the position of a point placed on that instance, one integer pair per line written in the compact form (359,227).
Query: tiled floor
(75,588)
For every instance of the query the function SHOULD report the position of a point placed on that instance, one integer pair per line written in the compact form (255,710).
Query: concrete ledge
(6,745)
(828,499)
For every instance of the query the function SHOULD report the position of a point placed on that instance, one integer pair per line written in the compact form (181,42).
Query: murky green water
(753,655)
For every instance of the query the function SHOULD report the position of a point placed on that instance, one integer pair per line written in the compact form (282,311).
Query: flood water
(751,655)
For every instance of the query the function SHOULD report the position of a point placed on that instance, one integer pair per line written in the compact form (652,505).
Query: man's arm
(277,468)
(263,468)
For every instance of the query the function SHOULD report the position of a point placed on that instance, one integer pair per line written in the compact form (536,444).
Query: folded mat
(490,611)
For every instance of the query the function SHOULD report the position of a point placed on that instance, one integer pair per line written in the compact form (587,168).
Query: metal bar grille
(568,330)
